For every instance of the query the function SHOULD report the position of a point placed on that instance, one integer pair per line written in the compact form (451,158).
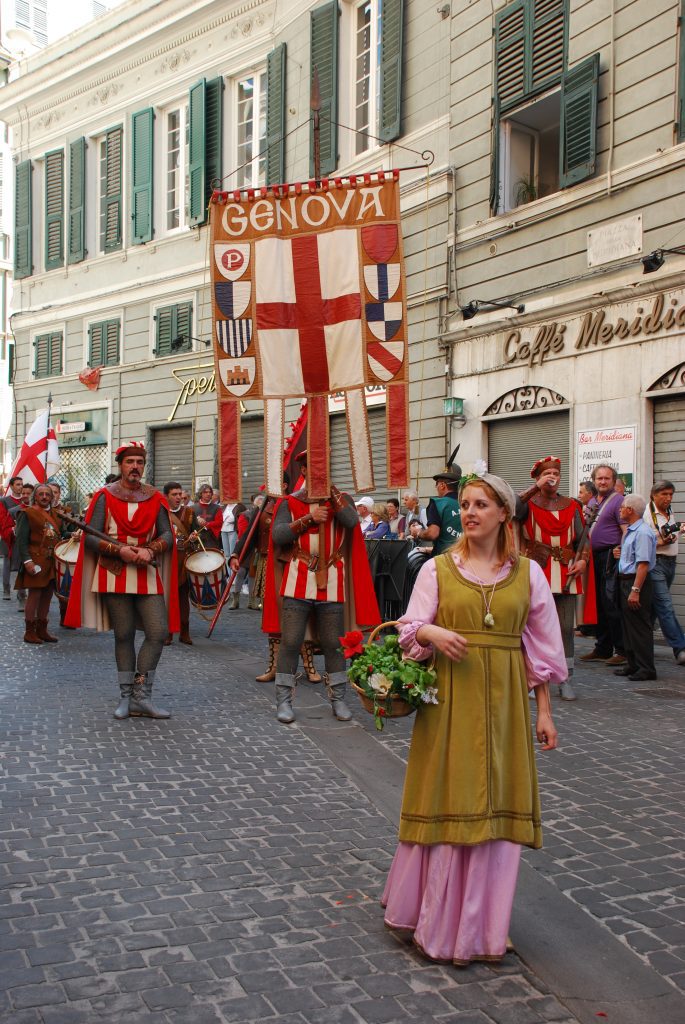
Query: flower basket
(388,684)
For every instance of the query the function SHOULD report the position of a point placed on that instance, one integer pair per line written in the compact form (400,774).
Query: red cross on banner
(38,458)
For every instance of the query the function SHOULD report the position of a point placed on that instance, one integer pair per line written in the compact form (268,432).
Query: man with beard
(185,525)
(37,532)
(210,516)
(130,580)
(552,525)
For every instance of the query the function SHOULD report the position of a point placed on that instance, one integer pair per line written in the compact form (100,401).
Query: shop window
(103,343)
(173,329)
(47,355)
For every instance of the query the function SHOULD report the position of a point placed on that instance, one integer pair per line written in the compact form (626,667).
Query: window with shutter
(23,221)
(214,109)
(392,35)
(174,328)
(544,116)
(324,37)
(142,175)
(250,117)
(76,224)
(275,116)
(54,209)
(111,199)
(48,355)
(104,343)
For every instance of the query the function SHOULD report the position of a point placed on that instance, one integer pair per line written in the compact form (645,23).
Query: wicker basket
(394,706)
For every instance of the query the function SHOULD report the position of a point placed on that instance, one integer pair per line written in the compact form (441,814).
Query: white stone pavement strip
(216,867)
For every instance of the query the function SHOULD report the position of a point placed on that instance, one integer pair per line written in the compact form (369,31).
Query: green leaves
(382,673)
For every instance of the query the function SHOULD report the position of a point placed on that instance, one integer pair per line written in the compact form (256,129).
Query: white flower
(480,467)
(430,695)
(380,684)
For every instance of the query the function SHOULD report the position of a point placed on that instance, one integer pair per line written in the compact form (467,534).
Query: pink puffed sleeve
(421,610)
(543,648)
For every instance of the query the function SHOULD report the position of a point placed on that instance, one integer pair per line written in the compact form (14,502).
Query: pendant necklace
(488,618)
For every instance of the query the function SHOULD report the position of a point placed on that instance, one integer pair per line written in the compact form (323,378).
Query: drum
(206,578)
(66,556)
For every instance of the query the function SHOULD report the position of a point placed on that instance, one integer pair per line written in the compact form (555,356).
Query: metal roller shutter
(173,456)
(253,456)
(669,464)
(341,467)
(514,445)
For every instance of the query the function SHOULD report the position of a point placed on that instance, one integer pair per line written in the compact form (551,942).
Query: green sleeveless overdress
(471,775)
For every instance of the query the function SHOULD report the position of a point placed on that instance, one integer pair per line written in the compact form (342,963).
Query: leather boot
(307,655)
(125,688)
(42,632)
(184,635)
(336,684)
(566,691)
(233,601)
(30,636)
(169,640)
(254,603)
(270,674)
(141,698)
(285,689)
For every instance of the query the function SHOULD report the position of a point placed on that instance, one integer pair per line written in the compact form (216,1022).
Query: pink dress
(455,901)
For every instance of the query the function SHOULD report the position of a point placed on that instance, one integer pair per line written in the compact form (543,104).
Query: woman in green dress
(471,796)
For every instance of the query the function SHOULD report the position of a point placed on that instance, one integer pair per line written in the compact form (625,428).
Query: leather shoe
(625,671)
(641,676)
(617,659)
(593,656)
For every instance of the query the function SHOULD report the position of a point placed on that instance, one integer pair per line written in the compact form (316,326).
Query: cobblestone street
(219,867)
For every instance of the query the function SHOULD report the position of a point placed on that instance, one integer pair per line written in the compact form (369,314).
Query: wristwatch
(635,590)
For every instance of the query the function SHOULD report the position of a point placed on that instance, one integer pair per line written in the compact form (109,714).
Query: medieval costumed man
(130,581)
(186,527)
(553,535)
(318,568)
(37,532)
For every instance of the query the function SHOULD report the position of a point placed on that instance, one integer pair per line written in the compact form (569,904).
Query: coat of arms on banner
(309,299)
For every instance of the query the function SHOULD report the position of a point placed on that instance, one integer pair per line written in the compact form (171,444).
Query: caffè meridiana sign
(638,320)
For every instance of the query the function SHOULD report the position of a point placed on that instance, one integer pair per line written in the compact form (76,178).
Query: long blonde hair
(506,550)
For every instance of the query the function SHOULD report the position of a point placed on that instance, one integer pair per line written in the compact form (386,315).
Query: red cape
(86,608)
(361,607)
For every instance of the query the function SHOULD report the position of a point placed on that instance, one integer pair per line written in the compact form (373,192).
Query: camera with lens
(669,530)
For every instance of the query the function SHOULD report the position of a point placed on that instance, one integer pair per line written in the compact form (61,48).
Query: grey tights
(124,610)
(330,625)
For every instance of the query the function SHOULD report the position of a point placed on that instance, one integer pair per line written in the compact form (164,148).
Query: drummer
(185,525)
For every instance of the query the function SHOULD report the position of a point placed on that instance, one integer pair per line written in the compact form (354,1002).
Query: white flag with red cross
(38,458)
(309,301)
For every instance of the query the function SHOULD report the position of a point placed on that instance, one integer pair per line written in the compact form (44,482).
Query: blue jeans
(662,576)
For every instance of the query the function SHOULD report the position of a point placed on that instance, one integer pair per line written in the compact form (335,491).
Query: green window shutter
(681,77)
(324,36)
(275,116)
(163,336)
(111,342)
(95,347)
(76,244)
(197,170)
(54,209)
(214,136)
(578,128)
(511,30)
(23,221)
(183,326)
(548,43)
(41,356)
(494,170)
(112,193)
(142,149)
(55,354)
(392,33)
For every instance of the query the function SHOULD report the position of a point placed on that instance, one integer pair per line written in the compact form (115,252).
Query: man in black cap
(443,515)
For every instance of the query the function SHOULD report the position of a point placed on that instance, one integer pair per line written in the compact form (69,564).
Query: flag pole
(47,435)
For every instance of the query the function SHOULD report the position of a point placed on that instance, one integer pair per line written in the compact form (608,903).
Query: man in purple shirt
(605,535)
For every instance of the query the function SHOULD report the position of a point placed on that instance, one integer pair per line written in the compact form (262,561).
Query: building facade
(118,132)
(568,138)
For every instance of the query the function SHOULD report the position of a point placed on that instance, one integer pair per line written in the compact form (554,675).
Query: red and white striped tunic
(132,523)
(298,580)
(555,528)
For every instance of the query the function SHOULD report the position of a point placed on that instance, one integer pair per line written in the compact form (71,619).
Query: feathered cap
(452,472)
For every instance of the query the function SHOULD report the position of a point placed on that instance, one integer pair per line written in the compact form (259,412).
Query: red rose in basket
(352,642)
